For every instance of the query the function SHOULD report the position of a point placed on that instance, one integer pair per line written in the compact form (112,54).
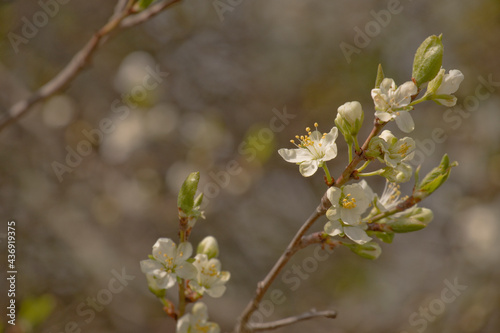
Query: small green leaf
(434,179)
(143,4)
(380,76)
(35,310)
(185,200)
(369,250)
(428,60)
(198,200)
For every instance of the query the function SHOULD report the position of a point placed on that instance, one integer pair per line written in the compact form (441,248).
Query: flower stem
(356,144)
(327,173)
(182,298)
(350,152)
(361,168)
(373,173)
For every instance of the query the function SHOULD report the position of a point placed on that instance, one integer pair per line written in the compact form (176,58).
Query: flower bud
(185,200)
(209,247)
(435,178)
(349,119)
(153,286)
(428,60)
(369,250)
(412,219)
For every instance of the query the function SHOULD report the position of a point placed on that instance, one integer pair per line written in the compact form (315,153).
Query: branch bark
(120,19)
(292,320)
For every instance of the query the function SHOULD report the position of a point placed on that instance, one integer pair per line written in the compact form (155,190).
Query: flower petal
(297,155)
(405,121)
(184,251)
(149,266)
(333,228)
(308,168)
(356,234)
(383,116)
(186,271)
(450,83)
(330,137)
(333,213)
(333,194)
(216,291)
(350,216)
(404,92)
(167,281)
(164,246)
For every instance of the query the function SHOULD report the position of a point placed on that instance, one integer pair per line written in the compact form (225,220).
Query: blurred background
(91,175)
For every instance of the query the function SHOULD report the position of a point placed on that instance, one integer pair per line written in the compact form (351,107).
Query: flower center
(169,261)
(305,141)
(200,327)
(403,149)
(349,203)
(210,271)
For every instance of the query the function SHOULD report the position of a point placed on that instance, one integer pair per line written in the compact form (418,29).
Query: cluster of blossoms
(349,215)
(354,212)
(171,265)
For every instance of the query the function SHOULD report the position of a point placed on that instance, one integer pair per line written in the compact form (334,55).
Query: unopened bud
(209,247)
(428,60)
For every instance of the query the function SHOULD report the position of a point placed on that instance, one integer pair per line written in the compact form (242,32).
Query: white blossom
(449,85)
(169,263)
(209,279)
(391,103)
(197,321)
(312,150)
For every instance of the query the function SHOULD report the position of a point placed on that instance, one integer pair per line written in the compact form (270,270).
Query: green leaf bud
(428,60)
(185,200)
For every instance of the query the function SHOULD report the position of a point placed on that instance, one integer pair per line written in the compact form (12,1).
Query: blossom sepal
(384,236)
(369,250)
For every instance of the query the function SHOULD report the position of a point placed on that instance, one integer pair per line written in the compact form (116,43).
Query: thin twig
(292,320)
(145,15)
(119,20)
(262,286)
(295,245)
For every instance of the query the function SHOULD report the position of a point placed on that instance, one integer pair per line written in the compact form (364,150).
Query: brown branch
(119,20)
(145,15)
(292,320)
(264,285)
